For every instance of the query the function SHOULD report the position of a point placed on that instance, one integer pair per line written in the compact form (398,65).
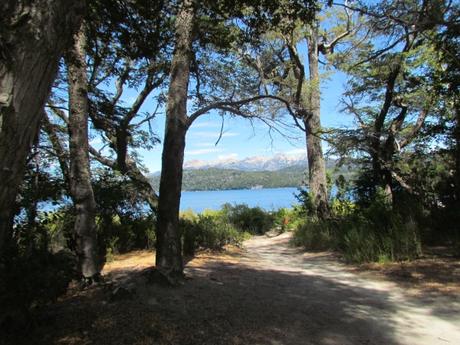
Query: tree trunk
(316,164)
(33,36)
(80,175)
(169,253)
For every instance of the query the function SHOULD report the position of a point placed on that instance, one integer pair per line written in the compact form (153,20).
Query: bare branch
(58,112)
(221,132)
(121,81)
(233,106)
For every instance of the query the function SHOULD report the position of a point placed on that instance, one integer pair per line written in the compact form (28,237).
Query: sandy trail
(267,293)
(350,308)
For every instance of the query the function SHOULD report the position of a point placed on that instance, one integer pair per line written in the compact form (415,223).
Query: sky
(242,139)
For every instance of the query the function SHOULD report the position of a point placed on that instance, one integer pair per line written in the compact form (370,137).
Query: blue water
(268,199)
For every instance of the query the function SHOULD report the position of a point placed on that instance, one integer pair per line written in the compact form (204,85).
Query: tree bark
(169,252)
(33,36)
(316,165)
(81,189)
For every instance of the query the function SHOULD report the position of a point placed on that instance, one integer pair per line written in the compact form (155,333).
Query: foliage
(372,233)
(35,277)
(207,231)
(124,219)
(284,219)
(31,274)
(230,225)
(223,179)
(253,220)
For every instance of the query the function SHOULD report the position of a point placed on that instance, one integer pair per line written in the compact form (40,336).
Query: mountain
(255,163)
(222,179)
(281,170)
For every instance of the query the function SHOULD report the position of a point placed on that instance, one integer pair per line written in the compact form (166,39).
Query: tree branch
(233,106)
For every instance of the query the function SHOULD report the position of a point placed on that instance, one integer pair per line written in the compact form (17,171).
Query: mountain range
(254,163)
(281,170)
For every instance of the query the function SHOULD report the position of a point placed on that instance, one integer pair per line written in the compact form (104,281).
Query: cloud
(229,156)
(202,151)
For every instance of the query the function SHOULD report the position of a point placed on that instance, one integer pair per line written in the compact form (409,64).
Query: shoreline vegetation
(230,179)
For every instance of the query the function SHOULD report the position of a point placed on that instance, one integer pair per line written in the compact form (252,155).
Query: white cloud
(229,156)
(202,151)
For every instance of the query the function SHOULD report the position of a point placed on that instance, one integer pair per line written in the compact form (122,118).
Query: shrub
(314,235)
(32,277)
(373,233)
(284,219)
(207,231)
(249,219)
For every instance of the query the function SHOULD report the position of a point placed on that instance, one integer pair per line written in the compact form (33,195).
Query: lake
(268,199)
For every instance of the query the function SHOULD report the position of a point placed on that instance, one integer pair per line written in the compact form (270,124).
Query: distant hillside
(222,179)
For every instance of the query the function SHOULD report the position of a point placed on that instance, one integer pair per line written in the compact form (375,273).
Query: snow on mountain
(255,163)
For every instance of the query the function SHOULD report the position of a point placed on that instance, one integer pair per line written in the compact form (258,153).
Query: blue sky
(240,139)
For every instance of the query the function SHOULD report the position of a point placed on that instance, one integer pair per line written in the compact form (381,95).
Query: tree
(282,70)
(129,49)
(79,179)
(33,36)
(210,26)
(169,249)
(389,93)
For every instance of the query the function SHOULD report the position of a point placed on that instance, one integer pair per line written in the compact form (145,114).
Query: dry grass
(434,273)
(136,260)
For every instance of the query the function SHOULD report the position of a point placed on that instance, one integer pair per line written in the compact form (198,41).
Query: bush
(249,219)
(207,231)
(314,235)
(374,233)
(285,219)
(32,277)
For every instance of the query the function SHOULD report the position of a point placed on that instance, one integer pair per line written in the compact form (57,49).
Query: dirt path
(269,293)
(355,308)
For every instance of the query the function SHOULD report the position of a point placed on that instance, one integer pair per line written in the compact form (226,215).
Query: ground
(268,292)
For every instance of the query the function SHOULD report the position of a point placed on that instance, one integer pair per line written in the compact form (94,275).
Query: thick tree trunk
(381,162)
(33,35)
(316,163)
(80,175)
(169,253)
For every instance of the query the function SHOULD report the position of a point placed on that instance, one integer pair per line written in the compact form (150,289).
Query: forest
(81,83)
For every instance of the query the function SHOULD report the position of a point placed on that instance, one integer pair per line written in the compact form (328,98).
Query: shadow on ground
(270,294)
(222,304)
